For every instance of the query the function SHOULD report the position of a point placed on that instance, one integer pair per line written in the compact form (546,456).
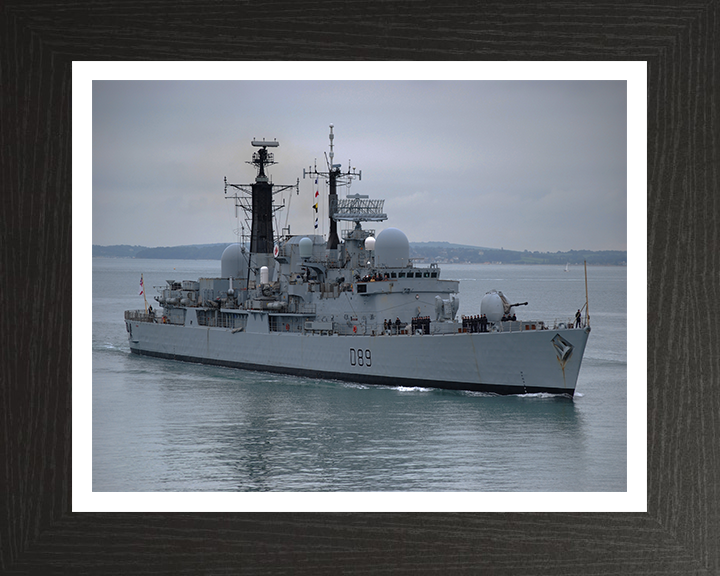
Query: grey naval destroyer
(355,309)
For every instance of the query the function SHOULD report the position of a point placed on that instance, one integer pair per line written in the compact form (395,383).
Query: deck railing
(139,316)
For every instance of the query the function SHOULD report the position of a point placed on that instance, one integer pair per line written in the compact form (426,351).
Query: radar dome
(306,247)
(369,243)
(233,262)
(392,249)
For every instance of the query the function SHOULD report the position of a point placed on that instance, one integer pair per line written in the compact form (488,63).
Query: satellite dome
(369,243)
(306,247)
(392,249)
(233,262)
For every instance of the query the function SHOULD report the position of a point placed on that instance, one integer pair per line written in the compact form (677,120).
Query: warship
(355,308)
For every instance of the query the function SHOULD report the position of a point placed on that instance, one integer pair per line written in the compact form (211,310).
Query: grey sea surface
(161,425)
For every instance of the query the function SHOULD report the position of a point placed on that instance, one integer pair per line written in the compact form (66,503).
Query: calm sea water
(161,425)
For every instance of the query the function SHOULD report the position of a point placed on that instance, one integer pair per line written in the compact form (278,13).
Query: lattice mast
(257,198)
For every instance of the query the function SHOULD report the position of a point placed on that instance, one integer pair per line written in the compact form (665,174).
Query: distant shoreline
(439,252)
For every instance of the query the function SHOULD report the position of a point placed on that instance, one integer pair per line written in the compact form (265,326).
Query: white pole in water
(587,311)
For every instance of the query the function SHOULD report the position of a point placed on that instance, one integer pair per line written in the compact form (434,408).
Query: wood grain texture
(680,533)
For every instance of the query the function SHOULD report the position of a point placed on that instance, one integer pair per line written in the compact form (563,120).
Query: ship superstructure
(355,308)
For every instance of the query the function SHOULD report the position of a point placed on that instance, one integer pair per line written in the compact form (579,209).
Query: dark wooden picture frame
(681,530)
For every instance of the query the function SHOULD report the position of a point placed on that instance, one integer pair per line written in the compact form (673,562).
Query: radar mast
(257,199)
(336,177)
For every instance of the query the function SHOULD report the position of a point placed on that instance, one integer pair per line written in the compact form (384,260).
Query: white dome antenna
(392,249)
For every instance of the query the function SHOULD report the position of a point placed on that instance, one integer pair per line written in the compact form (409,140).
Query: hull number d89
(360,357)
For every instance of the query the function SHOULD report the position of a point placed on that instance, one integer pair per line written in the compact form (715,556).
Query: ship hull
(521,362)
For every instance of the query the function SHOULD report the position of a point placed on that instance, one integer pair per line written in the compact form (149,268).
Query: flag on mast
(142,292)
(315,206)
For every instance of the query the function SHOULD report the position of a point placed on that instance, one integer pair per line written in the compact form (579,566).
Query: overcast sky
(536,165)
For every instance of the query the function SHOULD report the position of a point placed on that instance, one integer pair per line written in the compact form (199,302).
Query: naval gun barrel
(519,304)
